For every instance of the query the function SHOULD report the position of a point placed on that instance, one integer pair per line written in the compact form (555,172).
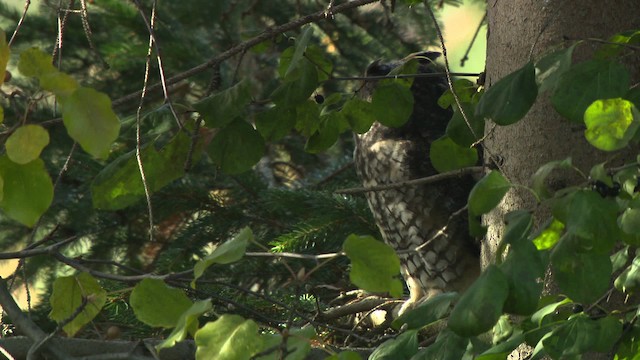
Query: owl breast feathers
(435,250)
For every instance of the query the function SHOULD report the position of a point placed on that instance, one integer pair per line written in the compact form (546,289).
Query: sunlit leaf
(374,265)
(35,63)
(60,84)
(72,292)
(26,143)
(611,123)
(231,337)
(550,236)
(228,252)
(187,324)
(587,82)
(90,121)
(27,190)
(156,304)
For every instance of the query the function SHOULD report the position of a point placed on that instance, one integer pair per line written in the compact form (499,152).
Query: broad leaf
(487,193)
(90,121)
(222,108)
(119,184)
(581,274)
(446,155)
(481,305)
(301,45)
(581,334)
(26,143)
(276,123)
(593,218)
(540,176)
(187,324)
(226,253)
(458,129)
(236,147)
(629,280)
(27,190)
(587,82)
(611,123)
(60,84)
(374,265)
(35,63)
(69,294)
(550,67)
(331,126)
(403,346)
(297,347)
(158,305)
(299,89)
(359,114)
(509,100)
(231,337)
(392,103)
(427,312)
(550,236)
(448,346)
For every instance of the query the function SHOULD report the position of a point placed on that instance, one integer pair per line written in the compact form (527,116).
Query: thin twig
(473,40)
(243,46)
(24,15)
(421,181)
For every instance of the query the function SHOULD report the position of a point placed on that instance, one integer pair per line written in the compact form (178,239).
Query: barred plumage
(413,216)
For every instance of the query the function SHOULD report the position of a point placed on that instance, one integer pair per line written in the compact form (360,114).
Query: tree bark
(523,30)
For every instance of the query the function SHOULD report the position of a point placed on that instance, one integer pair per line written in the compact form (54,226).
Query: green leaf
(540,176)
(611,123)
(392,103)
(5,52)
(231,337)
(587,82)
(331,125)
(487,193)
(446,155)
(35,63)
(629,280)
(593,218)
(307,118)
(403,346)
(616,44)
(465,90)
(297,347)
(158,305)
(236,147)
(509,100)
(275,123)
(359,114)
(345,355)
(550,67)
(459,131)
(502,350)
(301,45)
(481,305)
(580,334)
(375,266)
(226,253)
(119,184)
(629,221)
(448,346)
(90,121)
(220,109)
(26,143)
(427,312)
(581,274)
(298,90)
(27,190)
(550,236)
(60,84)
(539,316)
(69,293)
(187,324)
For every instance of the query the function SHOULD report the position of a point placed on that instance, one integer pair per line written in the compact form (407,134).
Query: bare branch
(421,181)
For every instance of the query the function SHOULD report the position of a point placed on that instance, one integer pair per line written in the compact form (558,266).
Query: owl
(423,223)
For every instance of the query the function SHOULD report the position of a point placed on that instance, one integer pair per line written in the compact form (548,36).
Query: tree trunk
(520,30)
